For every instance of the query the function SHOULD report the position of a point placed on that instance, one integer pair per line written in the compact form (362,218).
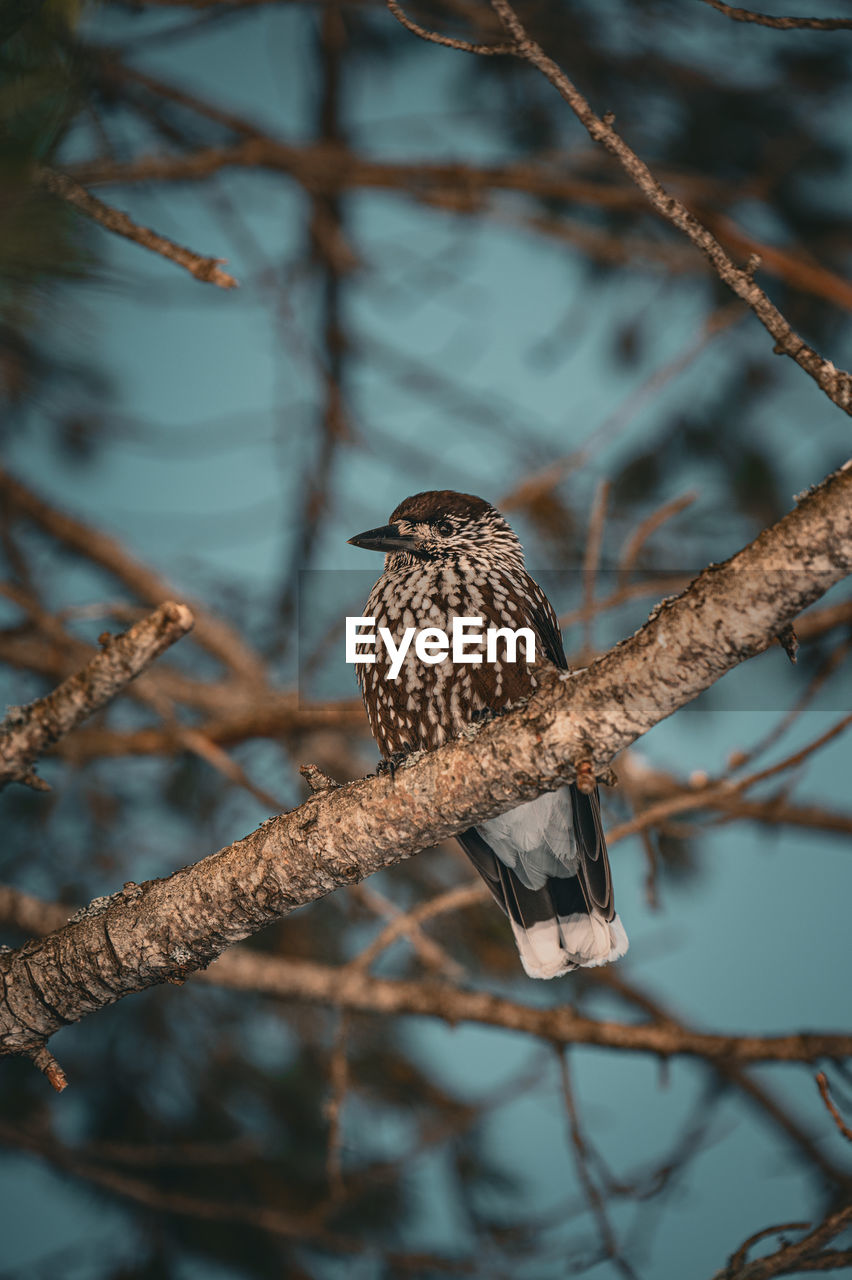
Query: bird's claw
(391,763)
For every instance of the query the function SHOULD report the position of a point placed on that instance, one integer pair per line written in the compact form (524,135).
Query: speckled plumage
(453,555)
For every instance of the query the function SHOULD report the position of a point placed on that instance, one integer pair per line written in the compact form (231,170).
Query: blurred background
(442,284)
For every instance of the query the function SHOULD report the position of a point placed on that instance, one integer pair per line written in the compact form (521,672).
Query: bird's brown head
(443,525)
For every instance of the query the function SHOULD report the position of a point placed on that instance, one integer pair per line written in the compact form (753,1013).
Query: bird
(450,555)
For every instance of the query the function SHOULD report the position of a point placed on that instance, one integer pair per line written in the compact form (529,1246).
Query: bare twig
(835,658)
(706,796)
(449,42)
(807,1254)
(737,1259)
(208,270)
(28,731)
(649,526)
(45,1061)
(532,488)
(822,1085)
(780,24)
(407,924)
(200,745)
(661,584)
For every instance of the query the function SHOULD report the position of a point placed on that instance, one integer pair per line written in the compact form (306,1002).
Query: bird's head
(442,525)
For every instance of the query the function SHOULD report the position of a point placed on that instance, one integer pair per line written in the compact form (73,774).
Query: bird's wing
(545,623)
(589,839)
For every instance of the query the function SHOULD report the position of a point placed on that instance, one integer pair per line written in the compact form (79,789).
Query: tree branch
(165,929)
(806,1254)
(121,224)
(466,189)
(213,633)
(449,42)
(352,988)
(836,383)
(28,731)
(780,24)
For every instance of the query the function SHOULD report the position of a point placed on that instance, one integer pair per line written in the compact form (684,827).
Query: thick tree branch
(165,929)
(121,224)
(28,731)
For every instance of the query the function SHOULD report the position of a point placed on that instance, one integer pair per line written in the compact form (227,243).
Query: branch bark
(165,929)
(28,731)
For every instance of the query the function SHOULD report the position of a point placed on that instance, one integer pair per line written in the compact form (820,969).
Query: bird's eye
(444,528)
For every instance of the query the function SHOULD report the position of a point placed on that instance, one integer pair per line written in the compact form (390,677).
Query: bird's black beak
(387,538)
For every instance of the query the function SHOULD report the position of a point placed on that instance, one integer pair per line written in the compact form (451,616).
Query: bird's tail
(569,922)
(555,929)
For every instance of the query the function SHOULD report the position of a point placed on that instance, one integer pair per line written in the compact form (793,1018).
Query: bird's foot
(391,763)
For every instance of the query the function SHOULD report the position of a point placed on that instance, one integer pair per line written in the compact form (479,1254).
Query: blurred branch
(28,731)
(407,924)
(351,988)
(234,712)
(208,270)
(595,1200)
(647,528)
(527,492)
(449,42)
(280,715)
(725,793)
(807,1254)
(591,560)
(335,261)
(736,1074)
(831,1107)
(780,24)
(578,720)
(466,188)
(217,636)
(247,970)
(816,622)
